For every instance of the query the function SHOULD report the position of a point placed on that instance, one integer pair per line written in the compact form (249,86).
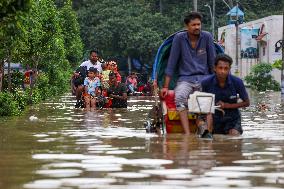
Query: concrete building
(258,41)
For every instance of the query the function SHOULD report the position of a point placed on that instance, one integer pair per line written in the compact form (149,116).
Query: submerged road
(69,148)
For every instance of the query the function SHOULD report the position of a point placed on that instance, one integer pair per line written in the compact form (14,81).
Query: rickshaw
(164,116)
(101,99)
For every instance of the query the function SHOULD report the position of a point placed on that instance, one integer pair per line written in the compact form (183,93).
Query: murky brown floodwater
(68,148)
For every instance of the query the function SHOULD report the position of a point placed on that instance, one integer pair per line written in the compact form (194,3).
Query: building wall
(273,25)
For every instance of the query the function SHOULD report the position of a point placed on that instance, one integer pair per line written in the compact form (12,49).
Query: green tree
(10,8)
(71,34)
(124,28)
(44,37)
(11,12)
(106,23)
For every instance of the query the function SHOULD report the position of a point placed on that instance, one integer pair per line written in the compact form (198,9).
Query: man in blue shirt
(227,89)
(192,56)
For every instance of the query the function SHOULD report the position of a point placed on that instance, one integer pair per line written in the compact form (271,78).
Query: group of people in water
(98,84)
(193,56)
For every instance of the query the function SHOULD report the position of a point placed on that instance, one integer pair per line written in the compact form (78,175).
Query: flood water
(68,148)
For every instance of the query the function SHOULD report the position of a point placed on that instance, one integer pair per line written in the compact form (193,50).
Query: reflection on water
(70,148)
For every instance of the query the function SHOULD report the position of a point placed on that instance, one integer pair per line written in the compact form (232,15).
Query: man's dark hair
(94,50)
(191,16)
(223,57)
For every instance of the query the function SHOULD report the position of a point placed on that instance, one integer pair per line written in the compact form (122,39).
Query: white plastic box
(201,102)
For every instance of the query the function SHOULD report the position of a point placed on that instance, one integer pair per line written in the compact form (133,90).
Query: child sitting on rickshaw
(91,85)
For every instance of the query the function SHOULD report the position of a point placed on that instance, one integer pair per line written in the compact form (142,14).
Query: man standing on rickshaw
(192,56)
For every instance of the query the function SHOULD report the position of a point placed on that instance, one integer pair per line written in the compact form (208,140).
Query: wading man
(117,91)
(227,89)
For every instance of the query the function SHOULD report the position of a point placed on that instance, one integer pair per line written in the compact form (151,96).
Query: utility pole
(213,20)
(161,6)
(237,37)
(195,5)
(282,67)
(129,64)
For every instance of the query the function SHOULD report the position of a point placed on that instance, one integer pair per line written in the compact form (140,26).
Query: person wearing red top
(113,68)
(131,82)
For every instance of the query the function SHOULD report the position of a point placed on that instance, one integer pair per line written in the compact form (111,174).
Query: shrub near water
(8,106)
(21,98)
(260,78)
(15,102)
(44,86)
(36,95)
(17,79)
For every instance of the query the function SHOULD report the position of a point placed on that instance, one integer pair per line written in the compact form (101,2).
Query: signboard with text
(249,47)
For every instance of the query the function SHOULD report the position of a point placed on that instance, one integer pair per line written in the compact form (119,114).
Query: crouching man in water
(226,88)
(117,91)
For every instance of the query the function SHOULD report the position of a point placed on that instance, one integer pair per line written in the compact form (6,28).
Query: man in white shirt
(82,72)
(93,61)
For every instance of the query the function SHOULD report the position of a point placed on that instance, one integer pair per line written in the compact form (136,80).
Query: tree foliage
(43,36)
(277,64)
(71,33)
(11,12)
(123,28)
(10,8)
(136,28)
